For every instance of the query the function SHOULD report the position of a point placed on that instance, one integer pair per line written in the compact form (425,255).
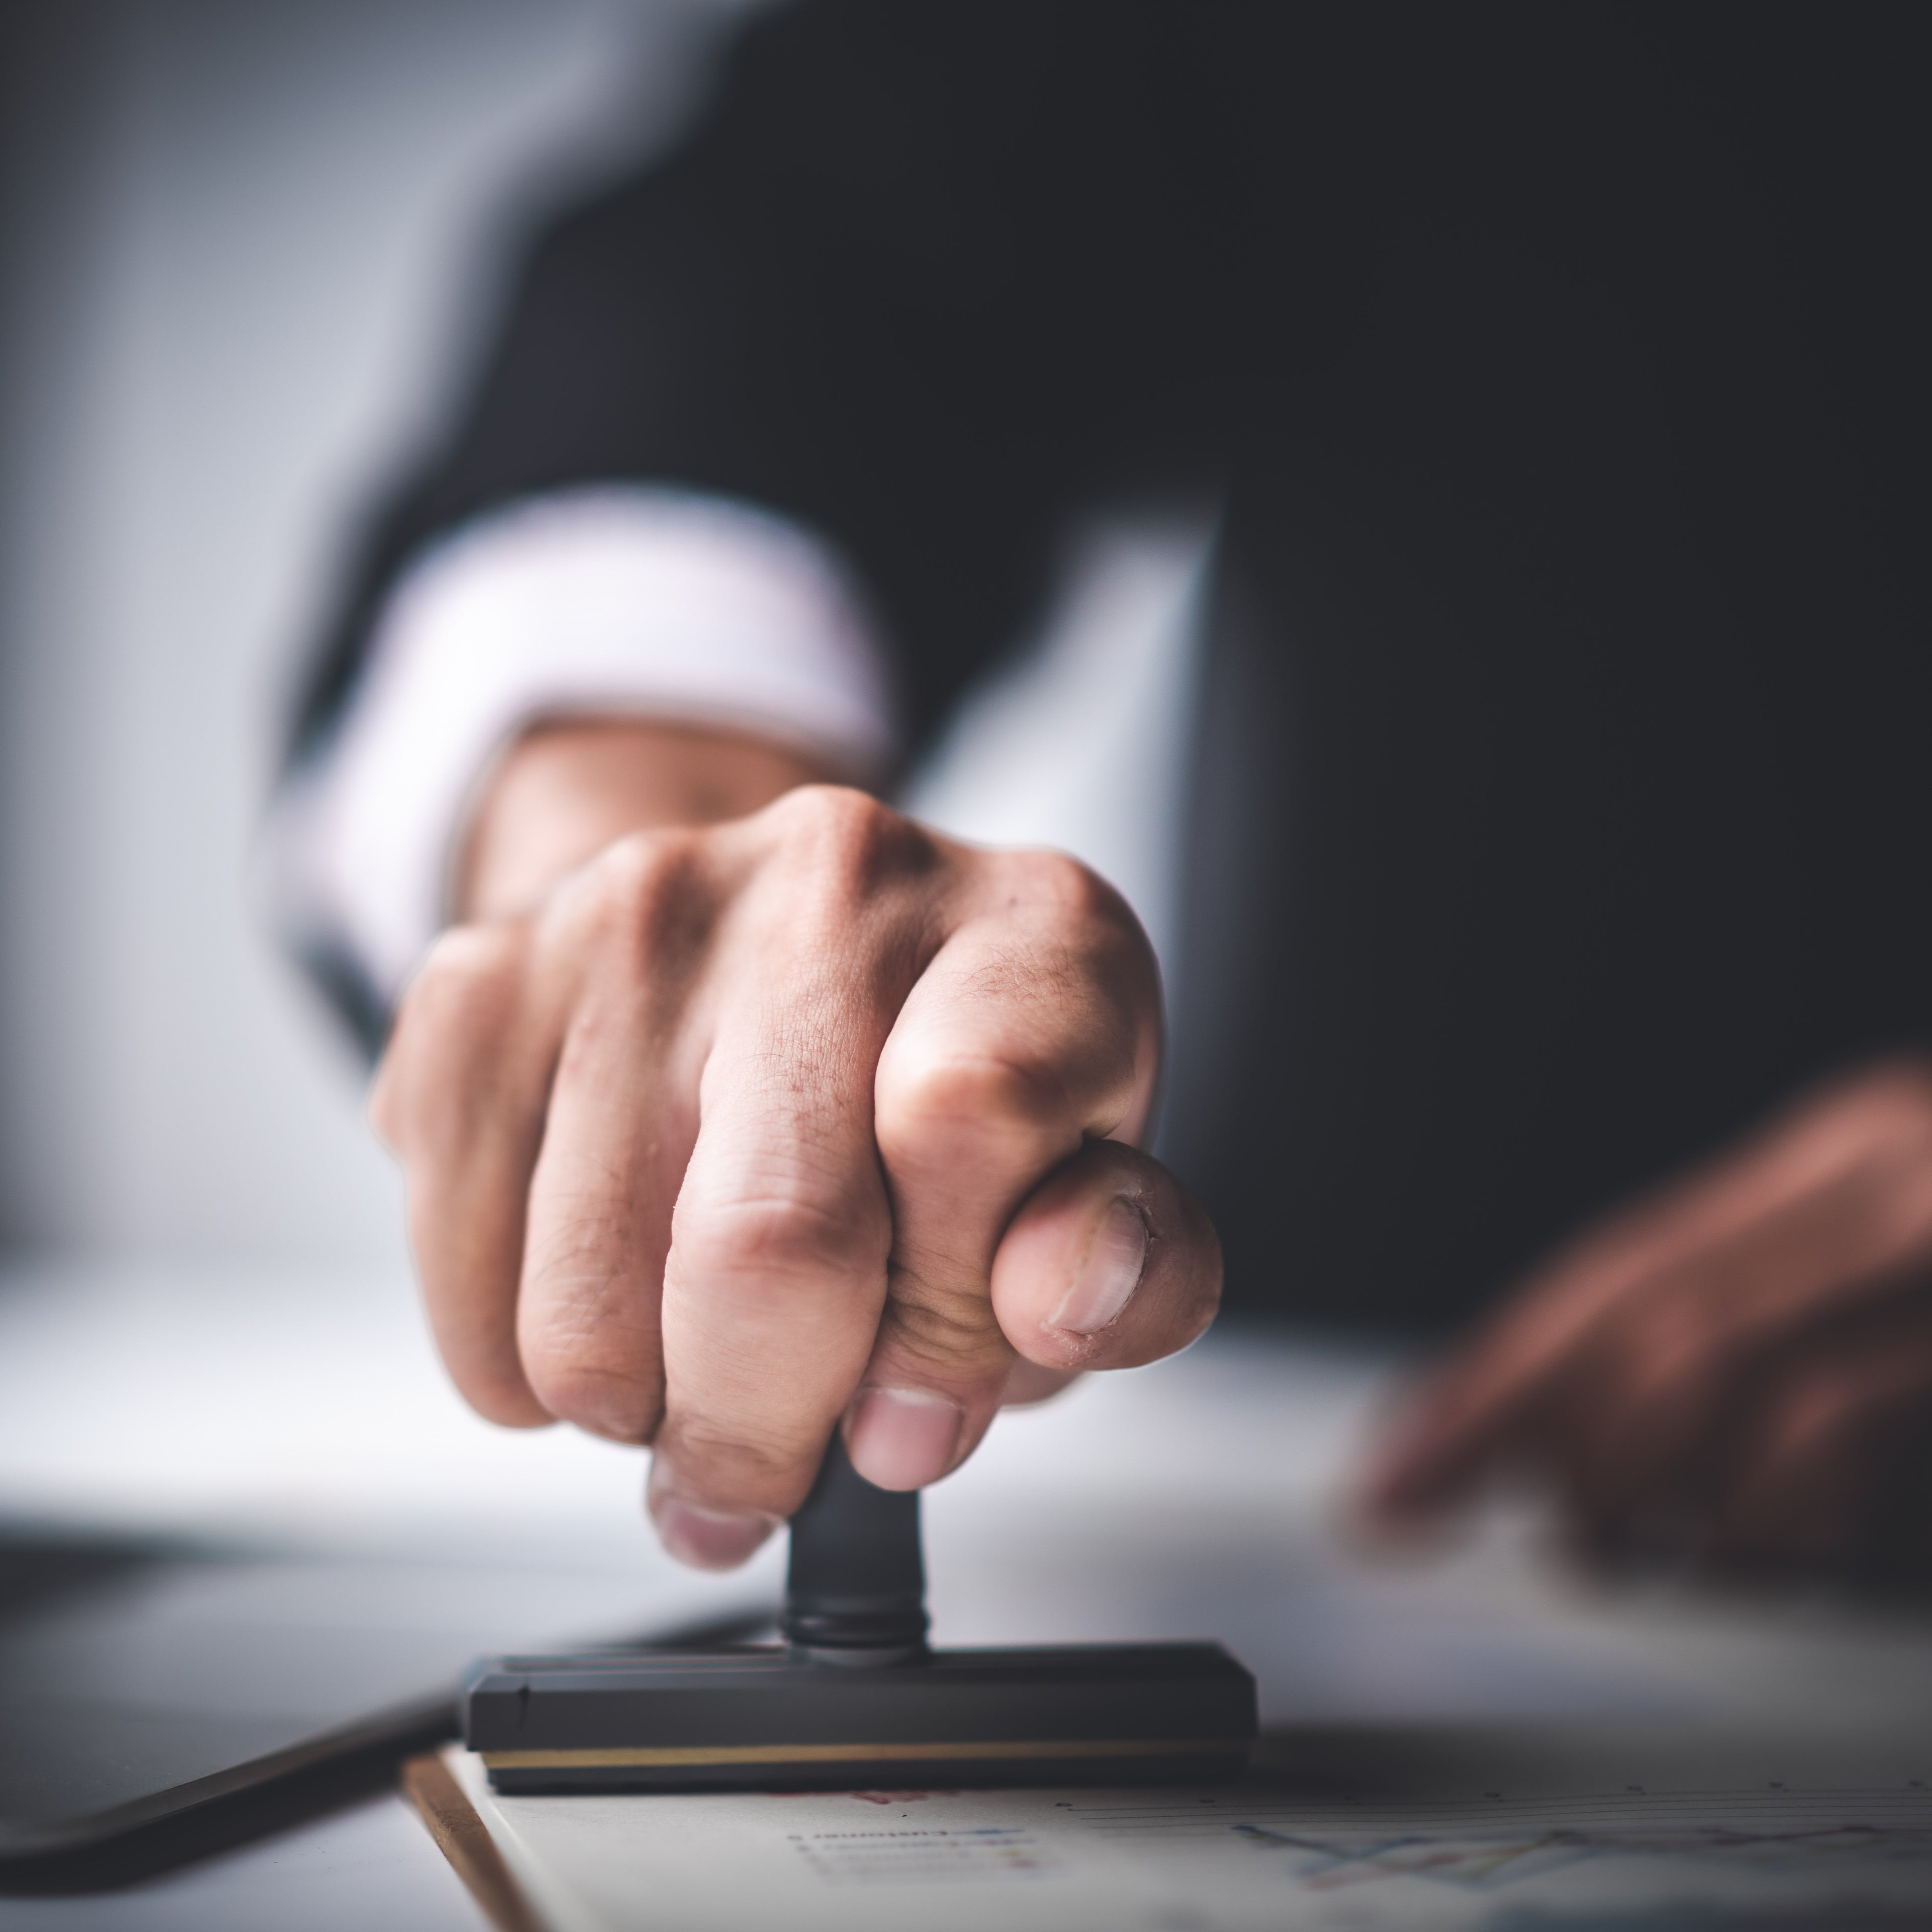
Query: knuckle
(638,898)
(464,1003)
(750,1459)
(580,1257)
(780,1237)
(1067,948)
(1076,905)
(468,983)
(842,813)
(937,1100)
(945,1329)
(1068,887)
(841,835)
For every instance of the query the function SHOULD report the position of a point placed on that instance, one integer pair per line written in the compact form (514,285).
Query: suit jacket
(1561,802)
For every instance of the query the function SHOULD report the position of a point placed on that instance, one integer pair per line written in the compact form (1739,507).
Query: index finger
(776,1271)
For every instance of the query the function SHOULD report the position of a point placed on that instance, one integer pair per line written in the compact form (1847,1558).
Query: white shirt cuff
(621,599)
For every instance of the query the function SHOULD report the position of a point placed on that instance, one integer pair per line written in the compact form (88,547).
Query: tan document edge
(465,1841)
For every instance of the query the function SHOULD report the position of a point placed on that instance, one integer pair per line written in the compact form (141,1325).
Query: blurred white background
(246,247)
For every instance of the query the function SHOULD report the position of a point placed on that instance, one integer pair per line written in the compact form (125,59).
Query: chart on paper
(1224,1860)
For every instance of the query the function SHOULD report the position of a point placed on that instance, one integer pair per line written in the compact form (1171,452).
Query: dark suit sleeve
(836,298)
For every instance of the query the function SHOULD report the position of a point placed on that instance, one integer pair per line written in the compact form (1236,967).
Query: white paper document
(1270,1854)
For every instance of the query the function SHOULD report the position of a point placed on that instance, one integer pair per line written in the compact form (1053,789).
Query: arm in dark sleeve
(799,306)
(924,281)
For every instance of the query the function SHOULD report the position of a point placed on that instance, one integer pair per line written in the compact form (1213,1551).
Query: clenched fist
(721,1123)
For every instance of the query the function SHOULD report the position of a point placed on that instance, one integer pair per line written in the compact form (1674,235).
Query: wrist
(568,787)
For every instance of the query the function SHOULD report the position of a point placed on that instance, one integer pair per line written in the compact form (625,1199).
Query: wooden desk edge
(465,1841)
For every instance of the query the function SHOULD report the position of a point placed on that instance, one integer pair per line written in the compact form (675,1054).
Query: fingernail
(903,1438)
(1108,1273)
(708,1539)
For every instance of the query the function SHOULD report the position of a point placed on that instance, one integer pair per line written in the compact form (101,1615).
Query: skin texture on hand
(1737,1371)
(738,1104)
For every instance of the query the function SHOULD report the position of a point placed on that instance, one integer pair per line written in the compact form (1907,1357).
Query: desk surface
(373,1869)
(1194,1499)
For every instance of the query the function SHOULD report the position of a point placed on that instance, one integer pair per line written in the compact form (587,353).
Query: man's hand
(1739,1370)
(717,1132)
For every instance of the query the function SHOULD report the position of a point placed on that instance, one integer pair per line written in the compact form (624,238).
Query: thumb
(1109,1263)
